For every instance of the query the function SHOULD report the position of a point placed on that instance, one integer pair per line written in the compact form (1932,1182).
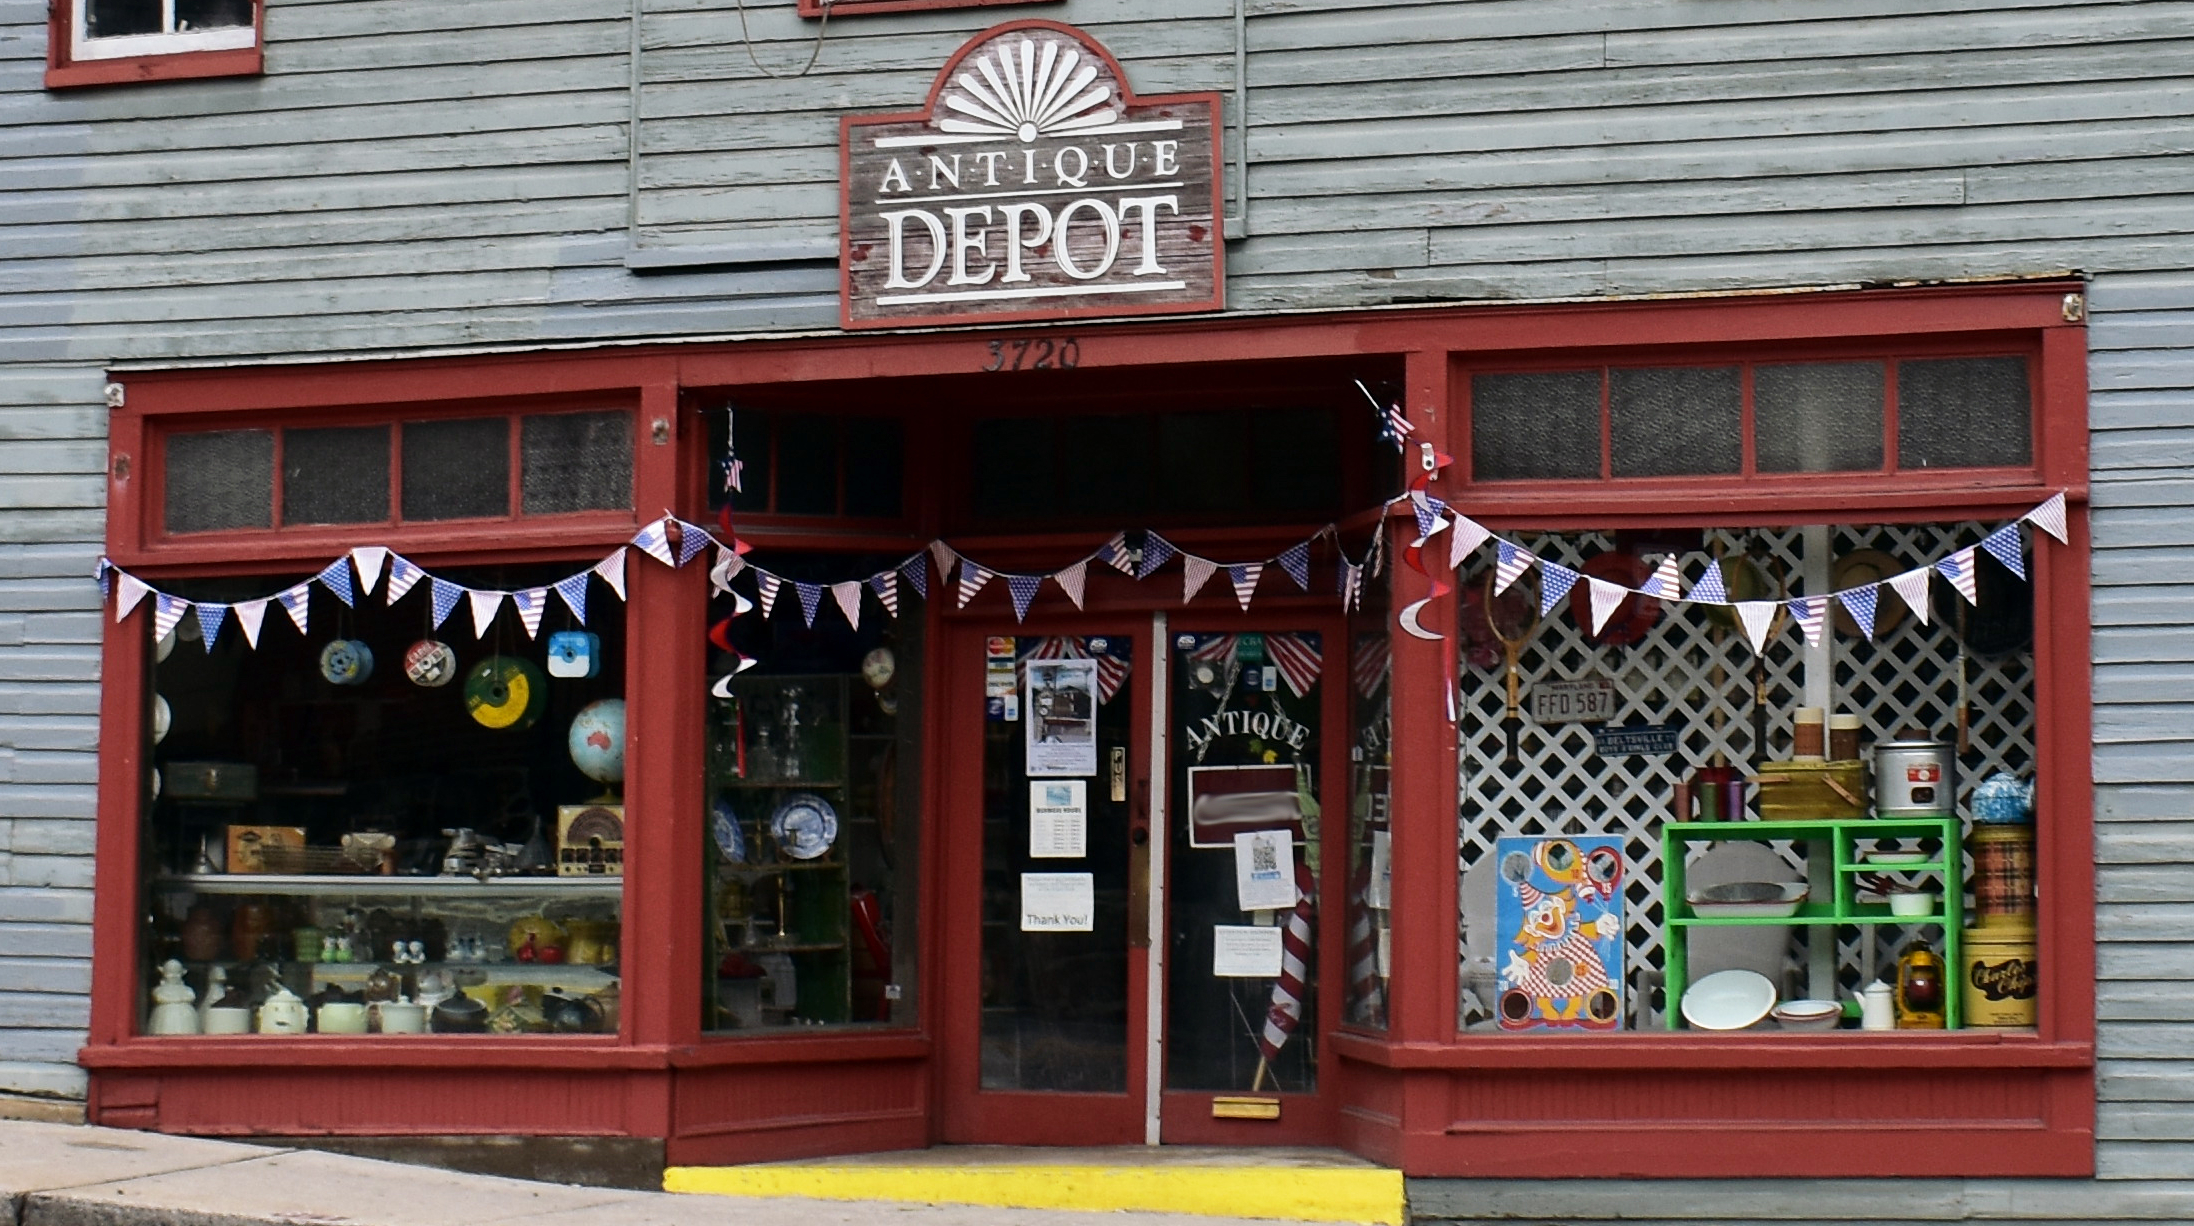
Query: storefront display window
(813,785)
(383,826)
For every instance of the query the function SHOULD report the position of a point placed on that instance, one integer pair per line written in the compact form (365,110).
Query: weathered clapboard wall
(412,175)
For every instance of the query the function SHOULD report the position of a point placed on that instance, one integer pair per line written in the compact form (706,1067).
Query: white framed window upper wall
(106,42)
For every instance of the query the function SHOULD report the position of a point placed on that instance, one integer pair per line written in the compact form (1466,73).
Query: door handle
(1138,869)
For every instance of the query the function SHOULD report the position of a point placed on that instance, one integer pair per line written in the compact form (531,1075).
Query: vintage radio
(590,841)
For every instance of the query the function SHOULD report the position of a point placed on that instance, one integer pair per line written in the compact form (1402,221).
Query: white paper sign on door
(1264,869)
(1245,952)
(1058,819)
(1380,892)
(1058,902)
(1061,706)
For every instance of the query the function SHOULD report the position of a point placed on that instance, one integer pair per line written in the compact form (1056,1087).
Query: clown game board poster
(1559,915)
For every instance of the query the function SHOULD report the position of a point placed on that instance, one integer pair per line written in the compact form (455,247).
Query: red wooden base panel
(769,1112)
(279,1101)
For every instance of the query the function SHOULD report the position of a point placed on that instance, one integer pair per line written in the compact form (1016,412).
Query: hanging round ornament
(505,692)
(430,664)
(597,740)
(346,662)
(164,648)
(162,719)
(878,667)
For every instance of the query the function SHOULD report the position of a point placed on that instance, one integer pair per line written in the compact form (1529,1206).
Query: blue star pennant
(336,578)
(1023,590)
(2005,545)
(1861,603)
(1555,580)
(209,624)
(692,539)
(445,596)
(916,569)
(811,596)
(1295,560)
(574,592)
(1157,551)
(1711,588)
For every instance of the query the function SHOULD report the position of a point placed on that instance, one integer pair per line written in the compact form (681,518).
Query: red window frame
(854,8)
(65,71)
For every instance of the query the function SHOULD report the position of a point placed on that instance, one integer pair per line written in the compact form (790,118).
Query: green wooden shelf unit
(1836,860)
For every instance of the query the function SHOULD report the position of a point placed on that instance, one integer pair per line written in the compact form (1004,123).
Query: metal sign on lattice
(1693,671)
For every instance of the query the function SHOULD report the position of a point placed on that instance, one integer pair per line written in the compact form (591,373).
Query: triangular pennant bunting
(811,598)
(2006,546)
(574,592)
(166,611)
(848,596)
(886,586)
(529,604)
(1758,618)
(916,569)
(972,579)
(1430,511)
(1023,590)
(250,615)
(767,586)
(104,574)
(1509,565)
(209,623)
(1295,560)
(403,576)
(612,570)
(1667,582)
(1710,589)
(444,596)
(335,576)
(654,541)
(2049,517)
(1861,603)
(1606,598)
(485,605)
(131,589)
(1958,568)
(1811,613)
(369,559)
(297,602)
(1911,586)
(1468,534)
(1555,580)
(945,556)
(692,539)
(1157,551)
(1074,580)
(1195,573)
(1114,553)
(1244,576)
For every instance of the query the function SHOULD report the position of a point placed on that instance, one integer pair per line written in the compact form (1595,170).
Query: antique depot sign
(1033,186)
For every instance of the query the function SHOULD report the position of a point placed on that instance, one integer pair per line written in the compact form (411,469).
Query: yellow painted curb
(1289,1193)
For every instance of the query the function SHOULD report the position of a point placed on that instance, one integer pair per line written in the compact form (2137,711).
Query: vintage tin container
(2000,976)
(1914,778)
(2003,874)
(1809,791)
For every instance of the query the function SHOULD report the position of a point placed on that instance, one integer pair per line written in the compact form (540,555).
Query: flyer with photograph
(1058,819)
(1061,717)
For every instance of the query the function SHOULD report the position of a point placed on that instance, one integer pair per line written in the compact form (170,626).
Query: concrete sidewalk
(64,1175)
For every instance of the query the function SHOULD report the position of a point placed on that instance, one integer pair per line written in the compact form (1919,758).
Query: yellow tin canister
(2000,976)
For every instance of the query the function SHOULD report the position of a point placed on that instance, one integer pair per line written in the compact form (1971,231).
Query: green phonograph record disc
(505,692)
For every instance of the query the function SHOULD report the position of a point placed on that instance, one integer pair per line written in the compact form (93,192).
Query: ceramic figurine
(175,1006)
(283,1013)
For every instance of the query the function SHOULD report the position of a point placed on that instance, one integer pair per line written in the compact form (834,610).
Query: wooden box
(249,846)
(1812,791)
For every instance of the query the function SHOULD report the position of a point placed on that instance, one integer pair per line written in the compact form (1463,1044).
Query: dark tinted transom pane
(220,479)
(1817,417)
(807,464)
(211,14)
(1200,464)
(1964,413)
(1671,421)
(457,469)
(875,467)
(110,18)
(338,475)
(1012,474)
(1110,469)
(576,462)
(1535,426)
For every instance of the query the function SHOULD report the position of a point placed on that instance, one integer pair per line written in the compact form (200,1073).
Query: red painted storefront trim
(64,72)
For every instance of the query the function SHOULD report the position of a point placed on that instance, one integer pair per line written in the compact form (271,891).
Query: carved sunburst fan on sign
(1025,90)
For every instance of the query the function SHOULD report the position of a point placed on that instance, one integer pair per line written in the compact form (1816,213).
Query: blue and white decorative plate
(804,825)
(730,839)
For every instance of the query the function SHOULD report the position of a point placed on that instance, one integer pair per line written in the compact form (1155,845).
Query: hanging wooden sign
(1034,185)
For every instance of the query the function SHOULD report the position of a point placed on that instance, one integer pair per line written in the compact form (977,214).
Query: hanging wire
(815,54)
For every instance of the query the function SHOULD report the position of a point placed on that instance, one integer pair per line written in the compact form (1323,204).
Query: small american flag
(1394,427)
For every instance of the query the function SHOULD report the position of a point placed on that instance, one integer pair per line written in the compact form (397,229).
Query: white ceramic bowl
(228,1021)
(1809,1015)
(402,1018)
(342,1017)
(1728,1000)
(1912,902)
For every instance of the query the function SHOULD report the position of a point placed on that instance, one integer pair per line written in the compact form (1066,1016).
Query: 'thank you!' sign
(1034,185)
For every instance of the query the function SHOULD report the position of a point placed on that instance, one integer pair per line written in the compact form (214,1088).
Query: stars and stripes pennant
(1958,568)
(916,569)
(1299,657)
(811,598)
(2006,546)
(403,576)
(848,596)
(1195,573)
(1244,576)
(1430,511)
(886,586)
(1464,539)
(104,575)
(1811,614)
(1074,581)
(612,570)
(1370,663)
(1295,560)
(250,616)
(1606,598)
(692,539)
(1348,579)
(767,586)
(1711,588)
(1555,580)
(1114,553)
(485,605)
(1157,551)
(210,617)
(1509,565)
(1022,588)
(132,590)
(297,602)
(654,541)
(166,611)
(1667,582)
(1758,618)
(444,596)
(972,579)
(573,590)
(727,566)
(1911,586)
(529,604)
(1861,603)
(369,559)
(335,577)
(2049,517)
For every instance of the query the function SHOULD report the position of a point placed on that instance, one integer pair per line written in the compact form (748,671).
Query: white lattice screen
(1688,670)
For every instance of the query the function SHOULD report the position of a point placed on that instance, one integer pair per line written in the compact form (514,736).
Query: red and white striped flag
(1286,1011)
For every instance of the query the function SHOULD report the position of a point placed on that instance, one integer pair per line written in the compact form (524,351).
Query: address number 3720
(1035,353)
